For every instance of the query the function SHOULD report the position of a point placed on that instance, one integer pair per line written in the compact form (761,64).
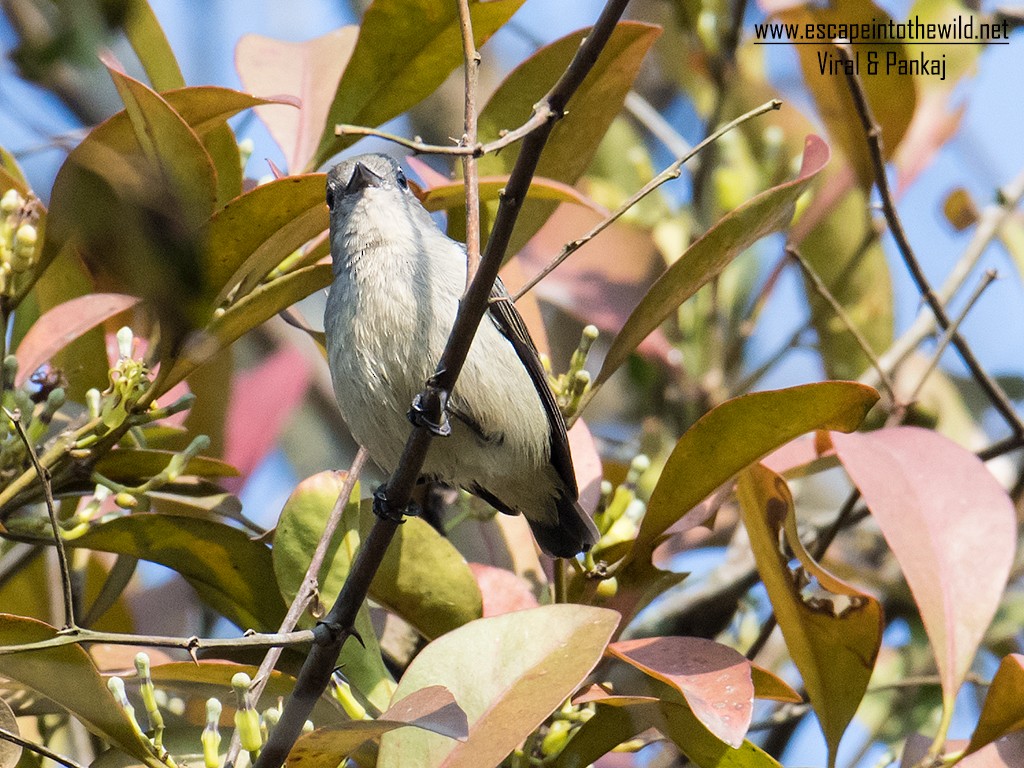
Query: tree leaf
(767,212)
(575,138)
(253,233)
(433,709)
(1003,711)
(249,312)
(125,465)
(10,753)
(739,432)
(942,513)
(405,50)
(890,94)
(524,665)
(422,578)
(310,71)
(61,325)
(227,568)
(833,634)
(451,195)
(150,44)
(68,676)
(714,679)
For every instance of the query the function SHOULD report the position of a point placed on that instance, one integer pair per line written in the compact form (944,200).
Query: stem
(469,138)
(58,541)
(873,133)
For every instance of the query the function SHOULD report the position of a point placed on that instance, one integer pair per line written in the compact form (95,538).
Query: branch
(39,749)
(873,133)
(331,633)
(992,219)
(469,170)
(58,541)
(833,302)
(984,283)
(671,172)
(308,587)
(190,644)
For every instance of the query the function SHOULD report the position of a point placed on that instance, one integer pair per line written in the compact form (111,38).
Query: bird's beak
(362,177)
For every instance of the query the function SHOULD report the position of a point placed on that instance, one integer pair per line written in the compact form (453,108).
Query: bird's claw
(430,410)
(383,508)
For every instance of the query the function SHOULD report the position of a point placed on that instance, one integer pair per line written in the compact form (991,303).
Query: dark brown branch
(39,749)
(469,139)
(873,133)
(331,633)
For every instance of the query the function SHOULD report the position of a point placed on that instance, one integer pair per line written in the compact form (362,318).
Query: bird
(397,283)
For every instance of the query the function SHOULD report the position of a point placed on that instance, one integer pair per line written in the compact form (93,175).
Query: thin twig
(331,633)
(873,134)
(992,219)
(671,172)
(539,118)
(650,118)
(39,749)
(824,292)
(58,541)
(469,139)
(307,589)
(985,282)
(190,644)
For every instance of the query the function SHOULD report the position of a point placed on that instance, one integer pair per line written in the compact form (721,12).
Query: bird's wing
(507,319)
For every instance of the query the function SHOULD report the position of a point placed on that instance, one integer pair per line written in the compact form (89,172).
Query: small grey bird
(397,284)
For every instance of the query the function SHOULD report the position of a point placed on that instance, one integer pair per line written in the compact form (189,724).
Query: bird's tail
(572,533)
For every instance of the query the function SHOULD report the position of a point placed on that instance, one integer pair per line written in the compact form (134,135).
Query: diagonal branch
(331,633)
(873,133)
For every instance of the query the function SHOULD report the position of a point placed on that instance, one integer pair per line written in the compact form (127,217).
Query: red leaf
(713,678)
(942,513)
(263,400)
(63,324)
(502,591)
(309,71)
(587,462)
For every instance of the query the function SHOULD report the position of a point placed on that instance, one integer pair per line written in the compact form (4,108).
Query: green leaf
(890,95)
(433,709)
(10,753)
(422,578)
(228,569)
(253,233)
(124,465)
(524,665)
(405,50)
(444,197)
(150,44)
(768,212)
(833,634)
(68,676)
(574,139)
(737,433)
(1003,711)
(254,309)
(11,175)
(942,513)
(299,529)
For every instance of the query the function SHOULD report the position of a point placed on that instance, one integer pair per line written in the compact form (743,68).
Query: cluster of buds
(571,386)
(18,240)
(253,728)
(618,517)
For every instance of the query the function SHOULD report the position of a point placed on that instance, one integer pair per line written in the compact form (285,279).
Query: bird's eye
(330,197)
(402,181)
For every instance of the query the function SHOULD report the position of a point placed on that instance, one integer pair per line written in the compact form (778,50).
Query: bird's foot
(385,510)
(430,410)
